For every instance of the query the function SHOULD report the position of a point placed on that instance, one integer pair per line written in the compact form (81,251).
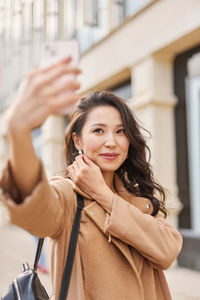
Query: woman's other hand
(43,94)
(88,177)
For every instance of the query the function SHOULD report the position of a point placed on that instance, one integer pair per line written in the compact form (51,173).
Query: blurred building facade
(148,52)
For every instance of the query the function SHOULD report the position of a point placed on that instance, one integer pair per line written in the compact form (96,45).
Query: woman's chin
(108,168)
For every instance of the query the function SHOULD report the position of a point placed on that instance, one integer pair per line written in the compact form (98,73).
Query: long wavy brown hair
(136,172)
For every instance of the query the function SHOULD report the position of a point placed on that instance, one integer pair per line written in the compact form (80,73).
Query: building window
(123,9)
(132,7)
(17,24)
(27,22)
(52,19)
(38,15)
(37,29)
(120,11)
(91,13)
(91,22)
(123,90)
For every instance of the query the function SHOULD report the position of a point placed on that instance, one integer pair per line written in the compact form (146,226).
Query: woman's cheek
(126,142)
(91,146)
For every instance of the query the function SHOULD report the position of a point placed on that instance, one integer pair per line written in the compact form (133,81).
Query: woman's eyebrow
(98,124)
(104,125)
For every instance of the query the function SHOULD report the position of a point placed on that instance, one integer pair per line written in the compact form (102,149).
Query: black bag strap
(38,252)
(71,249)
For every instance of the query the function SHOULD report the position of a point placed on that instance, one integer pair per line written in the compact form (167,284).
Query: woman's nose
(110,141)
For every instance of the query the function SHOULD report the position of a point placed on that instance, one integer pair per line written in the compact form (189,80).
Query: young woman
(124,240)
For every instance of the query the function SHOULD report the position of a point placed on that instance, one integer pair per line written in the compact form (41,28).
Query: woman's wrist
(16,128)
(105,198)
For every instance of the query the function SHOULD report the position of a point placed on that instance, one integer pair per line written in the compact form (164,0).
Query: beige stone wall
(143,49)
(52,145)
(154,102)
(170,26)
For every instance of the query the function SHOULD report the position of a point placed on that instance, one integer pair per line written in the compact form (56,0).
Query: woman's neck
(109,179)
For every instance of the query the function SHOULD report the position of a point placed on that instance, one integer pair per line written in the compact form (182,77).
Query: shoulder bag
(27,286)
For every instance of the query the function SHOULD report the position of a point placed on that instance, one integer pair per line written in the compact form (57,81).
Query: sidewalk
(18,246)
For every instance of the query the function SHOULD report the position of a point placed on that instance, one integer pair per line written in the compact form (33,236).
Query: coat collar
(141,203)
(79,191)
(120,189)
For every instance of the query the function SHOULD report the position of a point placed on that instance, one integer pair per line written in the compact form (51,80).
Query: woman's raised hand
(89,178)
(43,94)
(86,175)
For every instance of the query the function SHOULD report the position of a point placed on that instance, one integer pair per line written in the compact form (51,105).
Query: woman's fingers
(44,92)
(80,161)
(43,71)
(38,80)
(85,164)
(88,161)
(76,168)
(62,101)
(80,166)
(70,170)
(65,85)
(73,172)
(64,61)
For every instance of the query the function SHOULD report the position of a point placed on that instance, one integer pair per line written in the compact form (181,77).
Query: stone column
(52,143)
(153,103)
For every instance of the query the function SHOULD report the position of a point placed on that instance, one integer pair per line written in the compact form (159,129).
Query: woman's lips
(109,156)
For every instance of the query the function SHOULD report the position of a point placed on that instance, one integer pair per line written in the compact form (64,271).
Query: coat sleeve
(42,212)
(154,238)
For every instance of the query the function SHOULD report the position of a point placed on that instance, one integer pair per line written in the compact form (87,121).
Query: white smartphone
(53,52)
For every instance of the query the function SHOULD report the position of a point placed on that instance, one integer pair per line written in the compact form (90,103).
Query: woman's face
(103,139)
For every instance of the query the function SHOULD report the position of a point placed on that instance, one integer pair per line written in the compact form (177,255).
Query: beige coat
(119,256)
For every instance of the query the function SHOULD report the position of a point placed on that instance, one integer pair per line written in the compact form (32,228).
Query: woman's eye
(99,130)
(121,131)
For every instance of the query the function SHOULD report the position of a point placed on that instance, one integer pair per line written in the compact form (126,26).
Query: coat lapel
(97,214)
(141,203)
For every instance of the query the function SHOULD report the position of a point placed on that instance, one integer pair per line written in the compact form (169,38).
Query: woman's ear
(77,141)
